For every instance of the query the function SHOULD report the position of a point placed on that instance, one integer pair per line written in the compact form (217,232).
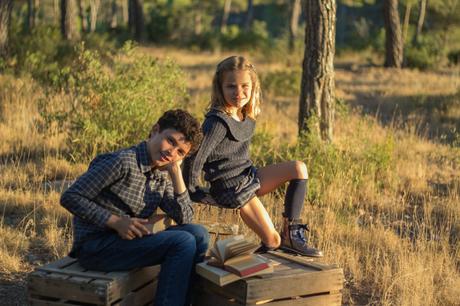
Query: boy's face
(167,147)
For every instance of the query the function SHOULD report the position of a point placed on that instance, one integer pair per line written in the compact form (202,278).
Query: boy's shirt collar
(145,162)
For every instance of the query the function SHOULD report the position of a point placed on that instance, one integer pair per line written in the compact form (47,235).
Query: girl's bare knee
(301,170)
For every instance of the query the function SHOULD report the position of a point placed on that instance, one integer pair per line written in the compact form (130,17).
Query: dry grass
(398,242)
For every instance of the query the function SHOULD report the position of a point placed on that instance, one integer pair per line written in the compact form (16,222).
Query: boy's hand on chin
(172,167)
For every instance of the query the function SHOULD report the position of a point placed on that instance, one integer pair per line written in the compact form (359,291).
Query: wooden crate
(65,282)
(296,281)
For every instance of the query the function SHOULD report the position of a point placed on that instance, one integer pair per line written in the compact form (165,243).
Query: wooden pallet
(296,281)
(65,282)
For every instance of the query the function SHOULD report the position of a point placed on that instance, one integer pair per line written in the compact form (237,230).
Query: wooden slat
(69,273)
(133,280)
(209,298)
(144,295)
(60,286)
(288,286)
(61,302)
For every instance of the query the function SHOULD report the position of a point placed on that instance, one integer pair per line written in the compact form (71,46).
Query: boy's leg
(174,250)
(202,240)
(201,237)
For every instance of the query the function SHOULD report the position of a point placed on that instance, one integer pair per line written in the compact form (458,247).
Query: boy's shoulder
(123,156)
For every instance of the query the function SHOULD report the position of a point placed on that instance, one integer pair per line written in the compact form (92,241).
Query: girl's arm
(214,132)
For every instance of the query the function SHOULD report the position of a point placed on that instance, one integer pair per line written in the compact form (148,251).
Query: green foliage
(427,53)
(256,38)
(116,106)
(329,165)
(282,82)
(43,53)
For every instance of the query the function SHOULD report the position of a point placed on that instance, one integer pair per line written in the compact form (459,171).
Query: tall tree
(6,7)
(114,15)
(393,35)
(420,20)
(69,20)
(249,15)
(32,13)
(94,8)
(82,15)
(225,14)
(406,21)
(317,92)
(295,7)
(136,19)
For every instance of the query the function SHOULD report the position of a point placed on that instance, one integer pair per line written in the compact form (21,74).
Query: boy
(113,200)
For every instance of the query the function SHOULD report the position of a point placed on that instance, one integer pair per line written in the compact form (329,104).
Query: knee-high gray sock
(295,196)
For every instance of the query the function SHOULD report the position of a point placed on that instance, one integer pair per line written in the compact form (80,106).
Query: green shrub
(282,82)
(427,53)
(115,106)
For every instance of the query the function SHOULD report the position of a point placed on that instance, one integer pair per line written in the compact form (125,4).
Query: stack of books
(233,259)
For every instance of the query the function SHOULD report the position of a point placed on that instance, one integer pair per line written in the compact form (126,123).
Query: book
(232,259)
(222,277)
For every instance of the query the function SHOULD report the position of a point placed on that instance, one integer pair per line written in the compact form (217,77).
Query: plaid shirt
(121,183)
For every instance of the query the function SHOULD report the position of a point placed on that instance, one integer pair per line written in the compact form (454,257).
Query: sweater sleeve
(214,132)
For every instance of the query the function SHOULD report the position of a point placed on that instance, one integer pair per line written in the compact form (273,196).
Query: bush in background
(114,105)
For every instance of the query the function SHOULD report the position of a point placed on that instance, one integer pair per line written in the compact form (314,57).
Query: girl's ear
(155,129)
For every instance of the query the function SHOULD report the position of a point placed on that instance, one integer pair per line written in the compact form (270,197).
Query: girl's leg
(273,176)
(256,217)
(293,231)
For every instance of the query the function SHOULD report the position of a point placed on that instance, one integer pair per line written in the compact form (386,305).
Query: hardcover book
(233,259)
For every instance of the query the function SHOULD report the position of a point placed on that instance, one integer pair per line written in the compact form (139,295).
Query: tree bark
(226,12)
(420,21)
(393,36)
(69,20)
(82,15)
(294,22)
(32,13)
(249,15)
(317,92)
(6,7)
(406,22)
(136,19)
(114,15)
(94,7)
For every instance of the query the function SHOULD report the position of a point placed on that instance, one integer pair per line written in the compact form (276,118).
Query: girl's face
(237,88)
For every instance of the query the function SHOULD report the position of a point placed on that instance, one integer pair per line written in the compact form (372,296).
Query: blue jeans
(177,249)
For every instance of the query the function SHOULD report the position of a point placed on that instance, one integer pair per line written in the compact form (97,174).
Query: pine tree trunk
(249,15)
(393,36)
(406,22)
(317,92)
(69,20)
(294,22)
(114,15)
(420,21)
(82,16)
(226,12)
(6,7)
(136,19)
(32,13)
(94,7)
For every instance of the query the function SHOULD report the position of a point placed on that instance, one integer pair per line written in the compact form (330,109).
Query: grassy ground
(395,230)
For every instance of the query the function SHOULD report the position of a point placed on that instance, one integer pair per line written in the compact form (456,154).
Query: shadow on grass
(434,117)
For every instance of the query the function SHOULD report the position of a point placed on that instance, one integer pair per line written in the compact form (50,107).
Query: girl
(224,157)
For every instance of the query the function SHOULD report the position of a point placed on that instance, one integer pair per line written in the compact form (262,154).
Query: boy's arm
(176,201)
(78,199)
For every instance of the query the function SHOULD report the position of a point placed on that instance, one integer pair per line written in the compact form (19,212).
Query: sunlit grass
(388,215)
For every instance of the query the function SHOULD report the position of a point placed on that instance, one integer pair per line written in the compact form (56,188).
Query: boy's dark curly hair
(185,123)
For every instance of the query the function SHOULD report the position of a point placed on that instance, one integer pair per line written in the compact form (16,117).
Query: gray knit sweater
(223,154)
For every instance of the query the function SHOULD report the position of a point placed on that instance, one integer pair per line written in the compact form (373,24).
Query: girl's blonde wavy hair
(232,63)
